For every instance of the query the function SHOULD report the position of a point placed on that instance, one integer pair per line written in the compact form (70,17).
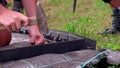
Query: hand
(35,37)
(12,20)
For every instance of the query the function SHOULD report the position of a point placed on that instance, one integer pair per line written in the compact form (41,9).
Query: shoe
(115,28)
(110,31)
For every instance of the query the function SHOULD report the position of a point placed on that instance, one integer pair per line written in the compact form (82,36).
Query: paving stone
(19,37)
(13,64)
(45,59)
(66,64)
(82,55)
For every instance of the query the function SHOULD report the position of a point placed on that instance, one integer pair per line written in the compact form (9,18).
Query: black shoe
(115,28)
(110,31)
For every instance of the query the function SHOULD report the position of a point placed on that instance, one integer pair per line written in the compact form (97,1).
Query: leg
(115,3)
(115,28)
(5,37)
(18,6)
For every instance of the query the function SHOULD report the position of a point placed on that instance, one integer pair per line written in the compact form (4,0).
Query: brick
(82,55)
(66,64)
(17,64)
(45,59)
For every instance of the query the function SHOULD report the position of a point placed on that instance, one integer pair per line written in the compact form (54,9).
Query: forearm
(30,7)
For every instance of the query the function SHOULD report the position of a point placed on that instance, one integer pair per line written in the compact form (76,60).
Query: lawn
(90,18)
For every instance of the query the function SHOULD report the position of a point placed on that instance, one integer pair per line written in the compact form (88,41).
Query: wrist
(34,27)
(33,20)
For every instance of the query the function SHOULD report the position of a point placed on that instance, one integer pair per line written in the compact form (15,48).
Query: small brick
(15,64)
(82,55)
(66,64)
(45,59)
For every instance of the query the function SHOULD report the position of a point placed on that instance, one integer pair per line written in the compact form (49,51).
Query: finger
(25,20)
(39,40)
(9,28)
(32,40)
(18,24)
(14,28)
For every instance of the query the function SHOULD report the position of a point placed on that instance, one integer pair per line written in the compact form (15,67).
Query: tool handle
(32,21)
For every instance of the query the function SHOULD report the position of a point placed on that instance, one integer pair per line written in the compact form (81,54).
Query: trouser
(18,6)
(116,19)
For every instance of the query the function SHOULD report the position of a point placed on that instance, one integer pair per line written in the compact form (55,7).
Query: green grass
(90,18)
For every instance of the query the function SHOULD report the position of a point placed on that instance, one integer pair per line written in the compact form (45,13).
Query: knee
(5,37)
